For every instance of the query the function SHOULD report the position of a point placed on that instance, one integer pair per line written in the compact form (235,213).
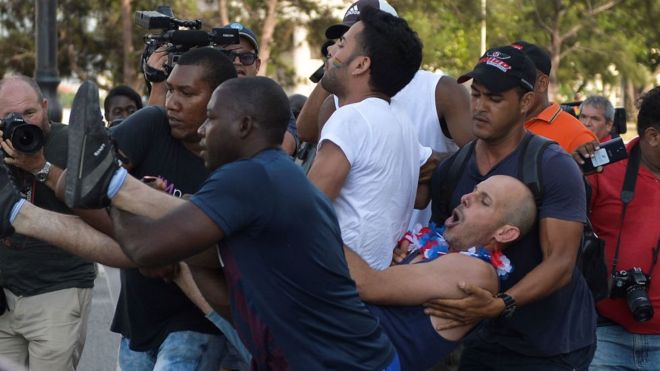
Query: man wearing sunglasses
(245,56)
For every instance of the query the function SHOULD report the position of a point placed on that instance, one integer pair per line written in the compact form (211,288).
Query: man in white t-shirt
(368,156)
(438,107)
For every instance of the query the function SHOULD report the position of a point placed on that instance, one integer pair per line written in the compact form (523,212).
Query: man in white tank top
(368,156)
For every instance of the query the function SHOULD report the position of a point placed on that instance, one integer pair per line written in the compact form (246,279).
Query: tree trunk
(629,99)
(128,68)
(267,35)
(223,12)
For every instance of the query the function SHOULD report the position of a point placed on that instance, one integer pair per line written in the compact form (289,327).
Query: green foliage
(620,43)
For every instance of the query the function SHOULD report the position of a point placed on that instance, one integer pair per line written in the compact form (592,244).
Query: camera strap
(627,194)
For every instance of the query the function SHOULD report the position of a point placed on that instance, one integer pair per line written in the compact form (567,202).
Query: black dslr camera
(25,137)
(633,285)
(179,41)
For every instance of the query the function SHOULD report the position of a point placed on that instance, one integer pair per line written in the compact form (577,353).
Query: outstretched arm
(180,233)
(415,284)
(560,240)
(71,234)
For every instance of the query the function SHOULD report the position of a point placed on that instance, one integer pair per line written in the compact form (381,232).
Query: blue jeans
(619,349)
(180,351)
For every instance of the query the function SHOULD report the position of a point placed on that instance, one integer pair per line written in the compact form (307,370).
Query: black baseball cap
(353,14)
(538,55)
(503,68)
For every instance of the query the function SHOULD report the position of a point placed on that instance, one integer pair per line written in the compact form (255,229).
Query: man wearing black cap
(543,317)
(548,119)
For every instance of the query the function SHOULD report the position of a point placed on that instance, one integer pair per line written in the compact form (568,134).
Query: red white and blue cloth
(430,244)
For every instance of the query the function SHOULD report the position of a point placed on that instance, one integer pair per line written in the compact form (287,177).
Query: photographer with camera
(625,210)
(48,291)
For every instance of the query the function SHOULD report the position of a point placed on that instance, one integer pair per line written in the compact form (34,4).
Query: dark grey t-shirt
(29,266)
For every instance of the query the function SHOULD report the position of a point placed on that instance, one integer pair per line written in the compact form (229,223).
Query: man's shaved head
(499,211)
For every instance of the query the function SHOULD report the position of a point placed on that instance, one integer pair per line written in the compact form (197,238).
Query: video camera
(619,124)
(25,137)
(178,41)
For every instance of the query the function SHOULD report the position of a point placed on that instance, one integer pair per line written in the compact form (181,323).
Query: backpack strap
(450,179)
(530,164)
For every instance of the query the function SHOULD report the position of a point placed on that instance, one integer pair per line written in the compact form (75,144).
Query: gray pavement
(100,352)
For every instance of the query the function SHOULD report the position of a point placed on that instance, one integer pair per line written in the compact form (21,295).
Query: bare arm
(330,169)
(307,123)
(180,233)
(205,287)
(560,240)
(71,234)
(158,92)
(289,143)
(141,199)
(452,102)
(327,109)
(414,284)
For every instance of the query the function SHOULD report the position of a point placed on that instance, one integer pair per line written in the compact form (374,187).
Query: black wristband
(509,305)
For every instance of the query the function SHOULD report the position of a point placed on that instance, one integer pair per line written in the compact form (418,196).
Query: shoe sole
(85,110)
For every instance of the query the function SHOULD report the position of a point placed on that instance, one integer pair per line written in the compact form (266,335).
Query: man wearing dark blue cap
(543,317)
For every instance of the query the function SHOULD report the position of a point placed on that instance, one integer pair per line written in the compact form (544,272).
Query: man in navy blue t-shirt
(543,318)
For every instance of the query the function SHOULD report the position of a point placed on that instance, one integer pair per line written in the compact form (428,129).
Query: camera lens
(27,138)
(639,303)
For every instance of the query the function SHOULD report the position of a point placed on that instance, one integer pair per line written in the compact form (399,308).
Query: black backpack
(591,256)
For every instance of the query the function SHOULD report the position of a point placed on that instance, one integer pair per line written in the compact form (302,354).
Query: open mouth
(455,218)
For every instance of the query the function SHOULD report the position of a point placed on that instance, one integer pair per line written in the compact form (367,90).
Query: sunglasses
(246,58)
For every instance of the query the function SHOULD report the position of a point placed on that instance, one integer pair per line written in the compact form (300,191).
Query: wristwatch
(42,175)
(509,305)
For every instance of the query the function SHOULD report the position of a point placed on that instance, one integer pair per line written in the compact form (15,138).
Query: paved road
(100,353)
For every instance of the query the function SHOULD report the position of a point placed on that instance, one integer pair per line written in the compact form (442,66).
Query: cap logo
(352,11)
(236,26)
(496,62)
(498,54)
(517,46)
